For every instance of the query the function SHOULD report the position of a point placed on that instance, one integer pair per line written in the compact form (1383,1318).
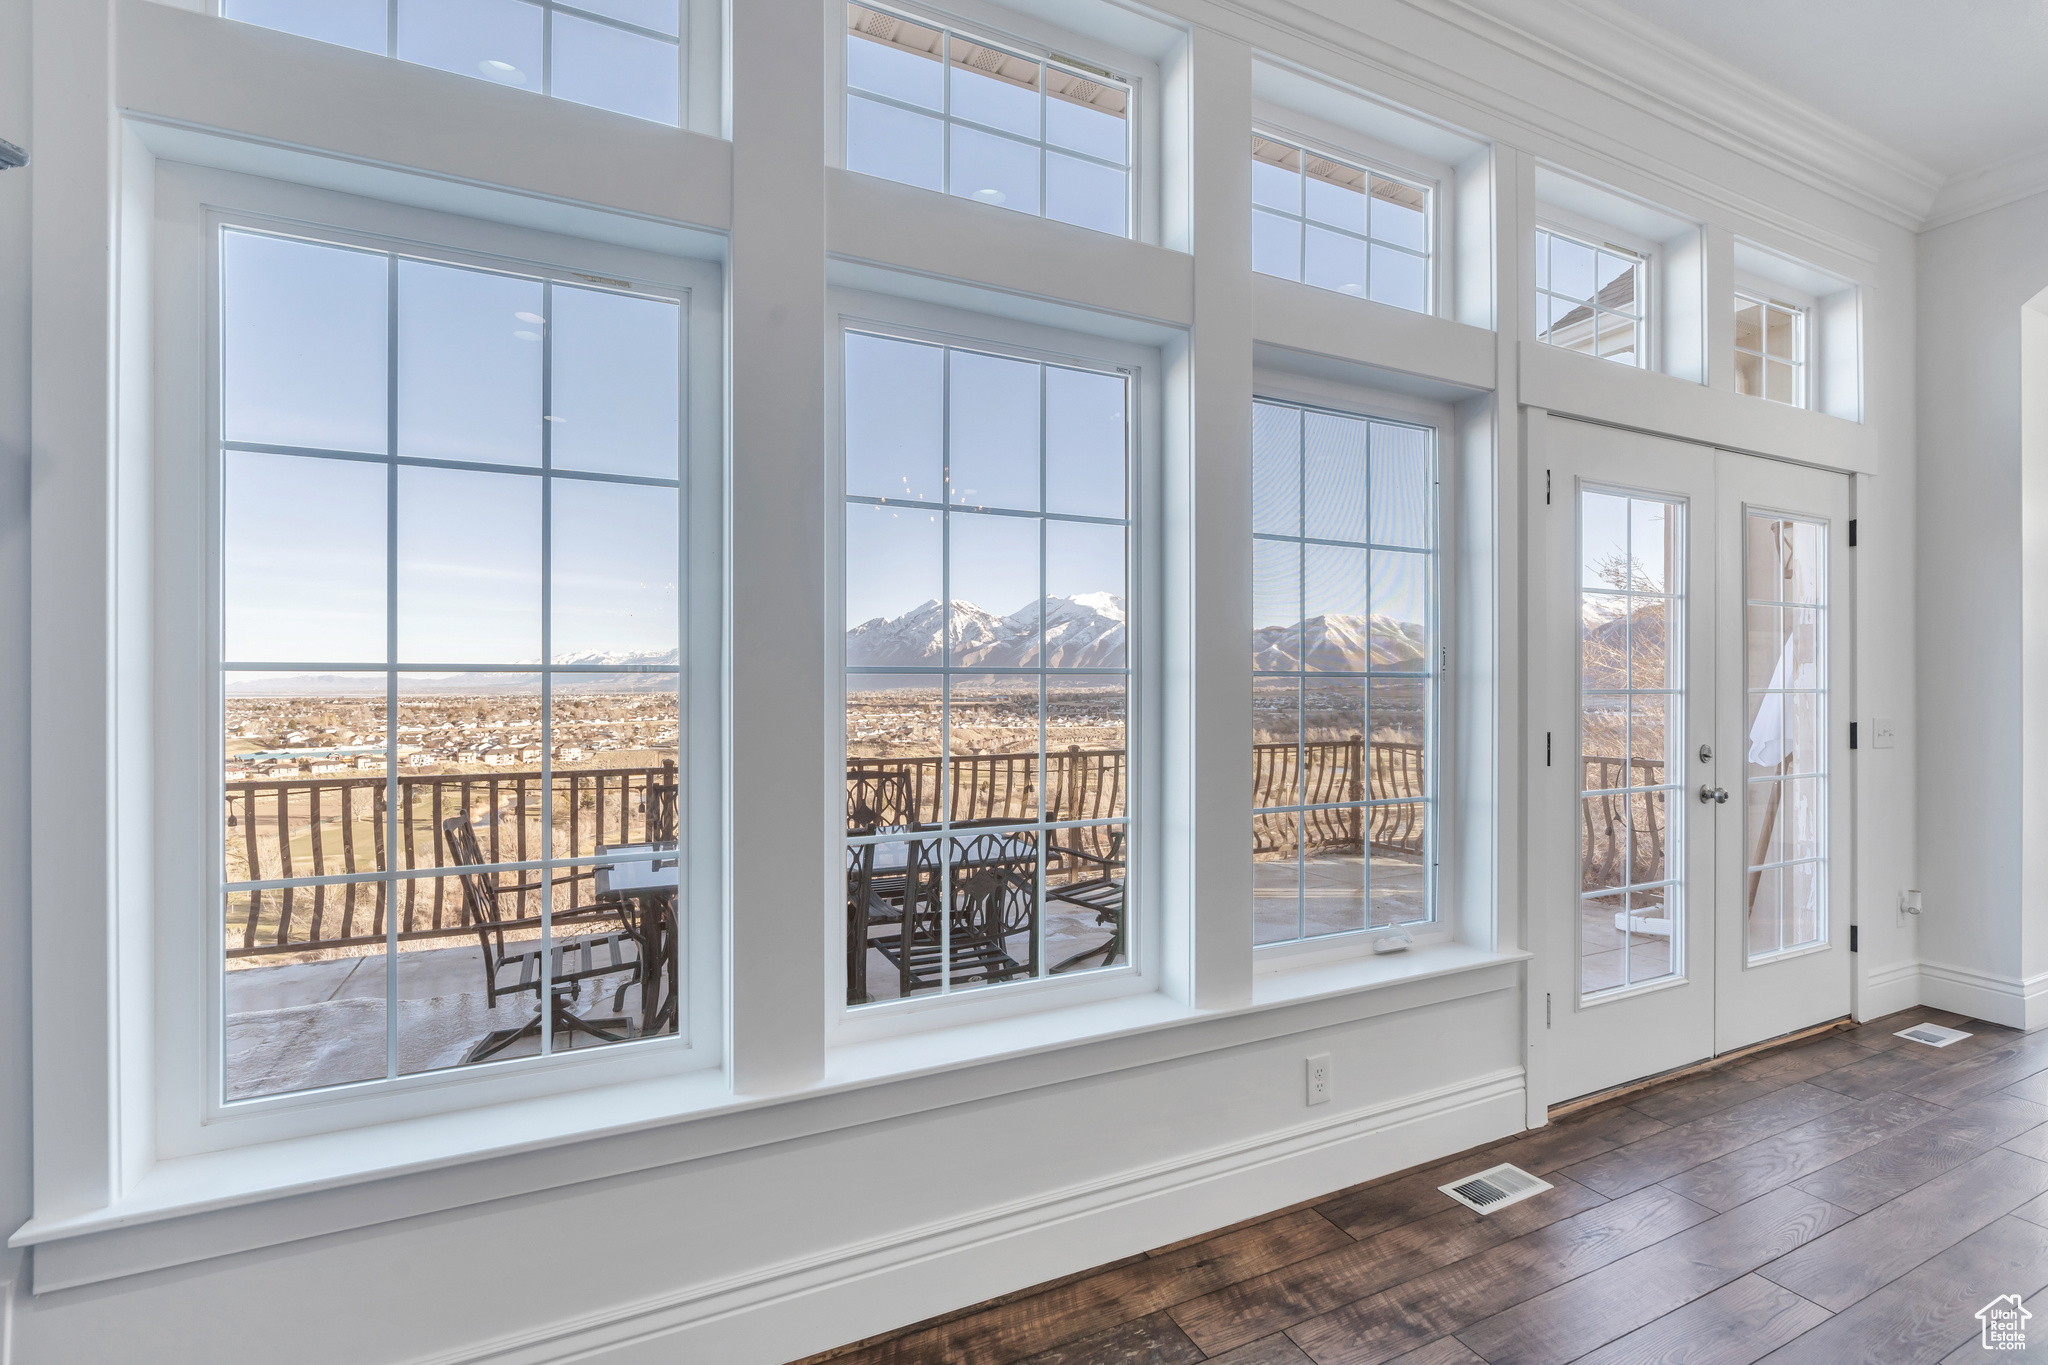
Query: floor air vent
(1934,1035)
(1495,1189)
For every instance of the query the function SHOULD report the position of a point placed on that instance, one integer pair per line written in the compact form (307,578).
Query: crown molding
(1990,187)
(1599,44)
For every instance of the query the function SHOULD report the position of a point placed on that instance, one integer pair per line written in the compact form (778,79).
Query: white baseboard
(1887,990)
(2016,1002)
(797,1308)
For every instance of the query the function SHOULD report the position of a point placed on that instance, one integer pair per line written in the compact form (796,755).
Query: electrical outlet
(1319,1078)
(1884,733)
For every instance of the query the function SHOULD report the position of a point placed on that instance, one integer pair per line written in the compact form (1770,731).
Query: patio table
(642,881)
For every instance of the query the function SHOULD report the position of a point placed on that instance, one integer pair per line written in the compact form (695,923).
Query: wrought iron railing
(1620,823)
(284,828)
(1327,774)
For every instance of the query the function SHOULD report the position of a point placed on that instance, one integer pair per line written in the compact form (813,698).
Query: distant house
(419,760)
(318,769)
(571,753)
(500,758)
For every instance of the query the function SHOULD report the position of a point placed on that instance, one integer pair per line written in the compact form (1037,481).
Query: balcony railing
(1618,827)
(1327,774)
(284,828)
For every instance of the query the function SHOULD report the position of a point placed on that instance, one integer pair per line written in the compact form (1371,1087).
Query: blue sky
(307,362)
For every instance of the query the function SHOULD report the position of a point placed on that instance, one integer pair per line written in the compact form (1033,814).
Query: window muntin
(1338,226)
(1344,655)
(988,667)
(931,107)
(1785,768)
(1770,350)
(1590,298)
(1632,604)
(622,55)
(450,498)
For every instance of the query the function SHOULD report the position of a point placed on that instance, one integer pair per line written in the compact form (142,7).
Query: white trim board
(2016,1002)
(799,1307)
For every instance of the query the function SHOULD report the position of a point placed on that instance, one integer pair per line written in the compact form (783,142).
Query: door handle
(1717,795)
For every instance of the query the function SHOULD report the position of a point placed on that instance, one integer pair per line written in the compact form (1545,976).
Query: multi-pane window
(1589,298)
(1337,226)
(988,668)
(623,55)
(1785,787)
(1770,350)
(1345,672)
(449,662)
(1631,720)
(931,107)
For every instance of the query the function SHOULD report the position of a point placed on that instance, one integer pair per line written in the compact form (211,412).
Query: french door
(1689,647)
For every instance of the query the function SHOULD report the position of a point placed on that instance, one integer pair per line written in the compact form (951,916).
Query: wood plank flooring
(1852,1198)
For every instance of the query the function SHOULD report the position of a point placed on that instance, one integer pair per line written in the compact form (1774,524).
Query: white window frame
(1316,138)
(193,205)
(883,315)
(1599,236)
(698,55)
(1754,289)
(1027,35)
(1359,400)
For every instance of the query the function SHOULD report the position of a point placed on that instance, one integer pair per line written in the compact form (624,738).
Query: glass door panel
(1785,804)
(1631,600)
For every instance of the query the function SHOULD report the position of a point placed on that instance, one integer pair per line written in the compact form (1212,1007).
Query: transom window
(1345,672)
(1590,298)
(1338,226)
(622,55)
(930,107)
(1770,350)
(449,663)
(988,668)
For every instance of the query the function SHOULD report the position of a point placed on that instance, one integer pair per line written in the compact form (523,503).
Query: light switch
(1884,733)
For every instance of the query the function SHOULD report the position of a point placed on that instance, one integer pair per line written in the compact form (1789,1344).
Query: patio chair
(1103,893)
(661,805)
(572,961)
(992,897)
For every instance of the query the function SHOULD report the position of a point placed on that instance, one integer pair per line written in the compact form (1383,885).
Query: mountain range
(1084,631)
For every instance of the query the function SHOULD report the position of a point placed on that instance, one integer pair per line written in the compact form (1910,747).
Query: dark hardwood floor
(1852,1198)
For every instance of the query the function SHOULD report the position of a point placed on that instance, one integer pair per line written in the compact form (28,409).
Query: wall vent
(1934,1035)
(1495,1189)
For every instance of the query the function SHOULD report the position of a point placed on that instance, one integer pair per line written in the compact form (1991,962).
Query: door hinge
(1852,533)
(1852,938)
(1546,488)
(1546,1009)
(1546,748)
(1852,734)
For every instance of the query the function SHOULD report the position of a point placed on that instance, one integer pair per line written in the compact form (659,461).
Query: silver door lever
(1717,795)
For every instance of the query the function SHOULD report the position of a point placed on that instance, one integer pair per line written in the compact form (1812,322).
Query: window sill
(146,1228)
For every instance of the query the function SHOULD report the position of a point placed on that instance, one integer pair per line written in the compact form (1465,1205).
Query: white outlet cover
(1319,1062)
(1884,732)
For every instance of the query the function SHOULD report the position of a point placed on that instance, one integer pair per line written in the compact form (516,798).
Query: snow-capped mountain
(1083,631)
(1341,642)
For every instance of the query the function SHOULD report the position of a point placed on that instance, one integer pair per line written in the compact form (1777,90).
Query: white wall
(1984,934)
(14,792)
(762,1236)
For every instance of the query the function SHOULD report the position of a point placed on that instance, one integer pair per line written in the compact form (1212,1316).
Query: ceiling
(1956,85)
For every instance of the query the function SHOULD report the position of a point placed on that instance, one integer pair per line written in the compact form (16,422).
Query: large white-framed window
(1347,663)
(992,573)
(1339,225)
(1592,296)
(1000,121)
(448,831)
(628,56)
